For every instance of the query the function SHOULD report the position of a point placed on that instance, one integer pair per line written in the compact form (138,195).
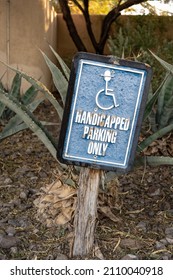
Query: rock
(159,245)
(154,191)
(169,232)
(2,257)
(61,257)
(29,150)
(22,170)
(24,207)
(13,250)
(169,240)
(32,191)
(131,244)
(130,257)
(7,242)
(14,222)
(151,213)
(2,232)
(42,174)
(142,226)
(16,202)
(24,222)
(11,231)
(166,256)
(34,178)
(23,195)
(164,241)
(8,181)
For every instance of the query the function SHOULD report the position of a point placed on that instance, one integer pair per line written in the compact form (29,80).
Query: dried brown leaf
(48,198)
(54,186)
(64,217)
(64,192)
(108,213)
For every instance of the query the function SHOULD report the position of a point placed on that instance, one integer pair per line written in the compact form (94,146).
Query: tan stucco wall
(26,27)
(3,35)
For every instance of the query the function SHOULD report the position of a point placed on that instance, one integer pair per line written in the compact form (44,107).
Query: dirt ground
(135,212)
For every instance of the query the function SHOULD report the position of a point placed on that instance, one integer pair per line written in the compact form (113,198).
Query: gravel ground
(135,214)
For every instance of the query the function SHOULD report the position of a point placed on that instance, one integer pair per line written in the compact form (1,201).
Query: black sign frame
(108,60)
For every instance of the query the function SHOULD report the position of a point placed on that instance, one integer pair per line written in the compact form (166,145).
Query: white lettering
(96,148)
(107,122)
(102,120)
(85,132)
(99,134)
(117,122)
(104,148)
(83,118)
(127,124)
(78,116)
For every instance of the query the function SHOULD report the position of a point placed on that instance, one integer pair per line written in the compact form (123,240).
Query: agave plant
(161,117)
(24,105)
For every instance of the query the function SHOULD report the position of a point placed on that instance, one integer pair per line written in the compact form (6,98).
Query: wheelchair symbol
(106,92)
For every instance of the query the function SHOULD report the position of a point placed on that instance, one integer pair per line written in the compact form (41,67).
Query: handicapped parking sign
(103,112)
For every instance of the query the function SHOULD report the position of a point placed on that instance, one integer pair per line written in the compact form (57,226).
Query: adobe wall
(26,27)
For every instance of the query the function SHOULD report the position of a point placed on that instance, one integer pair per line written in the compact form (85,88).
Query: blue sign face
(104,106)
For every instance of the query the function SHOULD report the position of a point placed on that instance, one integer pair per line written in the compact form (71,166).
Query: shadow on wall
(26,27)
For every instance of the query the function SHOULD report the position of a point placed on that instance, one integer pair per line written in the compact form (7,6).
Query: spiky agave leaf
(59,80)
(168,67)
(40,87)
(30,121)
(15,92)
(152,99)
(63,65)
(165,103)
(153,137)
(154,160)
(15,124)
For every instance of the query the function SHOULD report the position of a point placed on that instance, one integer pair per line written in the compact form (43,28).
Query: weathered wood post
(100,128)
(86,211)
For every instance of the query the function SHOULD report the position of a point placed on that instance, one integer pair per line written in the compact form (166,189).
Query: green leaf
(167,114)
(164,102)
(150,104)
(160,133)
(16,120)
(59,80)
(18,128)
(165,64)
(15,92)
(30,121)
(15,87)
(13,130)
(2,108)
(152,100)
(154,160)
(39,86)
(2,87)
(63,65)
(29,95)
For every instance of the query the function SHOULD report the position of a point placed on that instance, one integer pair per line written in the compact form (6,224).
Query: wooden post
(86,211)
